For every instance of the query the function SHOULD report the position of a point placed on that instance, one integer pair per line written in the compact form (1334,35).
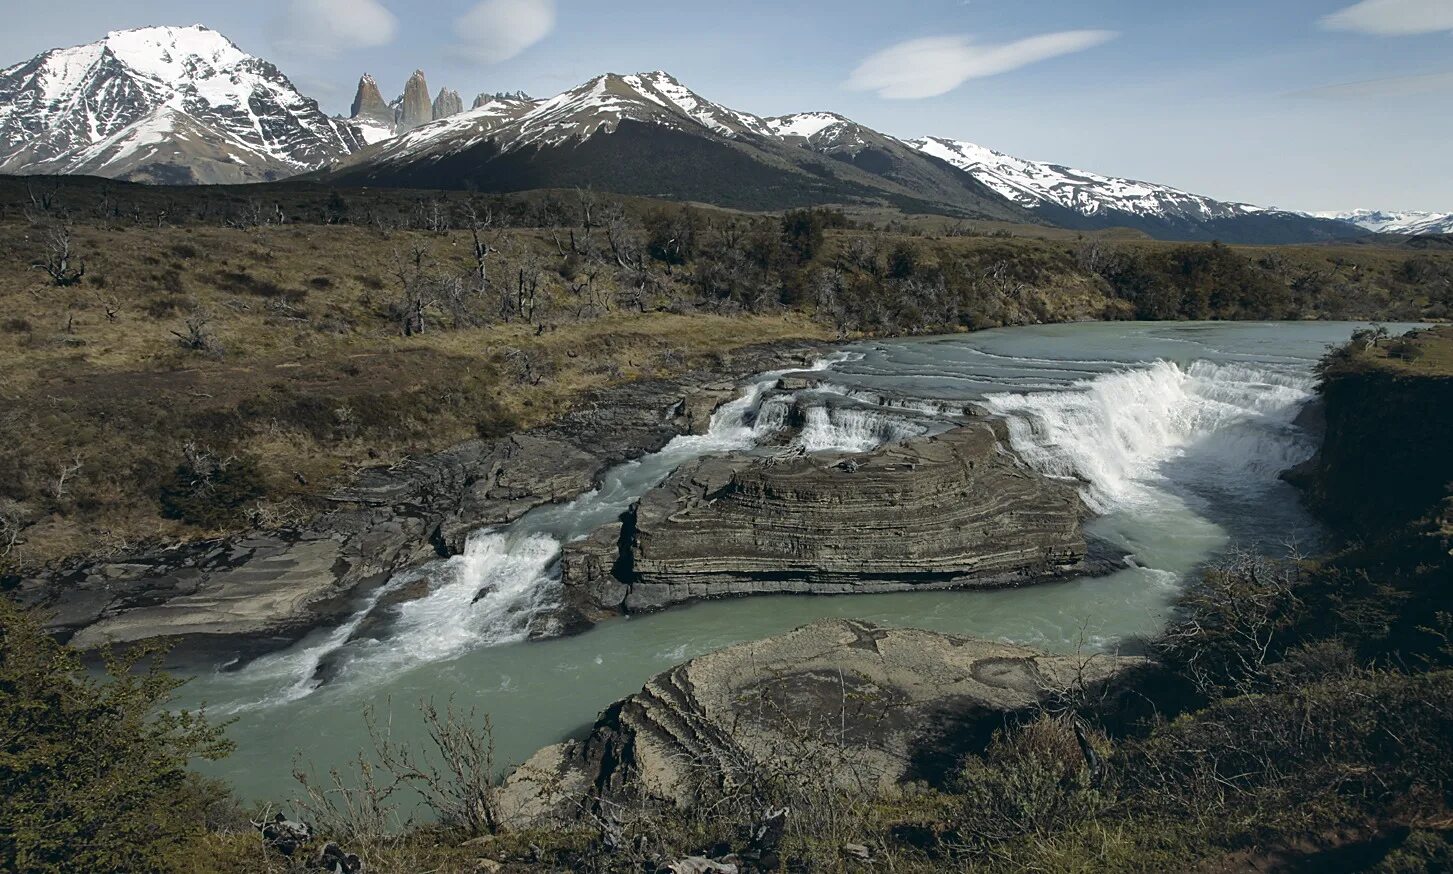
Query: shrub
(1033,780)
(93,771)
(209,491)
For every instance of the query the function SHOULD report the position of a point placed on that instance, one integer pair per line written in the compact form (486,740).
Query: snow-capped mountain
(648,134)
(184,104)
(167,104)
(1381,222)
(1079,198)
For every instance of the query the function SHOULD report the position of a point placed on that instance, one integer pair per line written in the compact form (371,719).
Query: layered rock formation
(447,103)
(269,587)
(414,107)
(950,510)
(855,703)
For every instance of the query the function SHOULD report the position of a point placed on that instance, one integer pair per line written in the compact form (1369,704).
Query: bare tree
(196,335)
(67,471)
(527,290)
(484,235)
(61,263)
(619,234)
(417,293)
(13,518)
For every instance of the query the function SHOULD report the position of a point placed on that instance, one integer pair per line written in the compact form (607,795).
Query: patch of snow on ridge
(1392,222)
(804,124)
(1036,183)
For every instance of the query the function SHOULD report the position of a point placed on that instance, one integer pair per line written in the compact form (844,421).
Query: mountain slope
(648,134)
(1381,222)
(166,104)
(1079,199)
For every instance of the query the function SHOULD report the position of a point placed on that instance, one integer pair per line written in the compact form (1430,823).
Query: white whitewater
(508,576)
(1207,427)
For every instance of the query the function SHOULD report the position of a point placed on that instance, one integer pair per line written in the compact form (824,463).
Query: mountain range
(186,105)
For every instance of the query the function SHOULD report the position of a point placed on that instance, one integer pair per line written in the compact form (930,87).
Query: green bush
(93,772)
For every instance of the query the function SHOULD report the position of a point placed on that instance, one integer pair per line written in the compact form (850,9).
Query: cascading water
(1221,427)
(1177,432)
(506,577)
(854,429)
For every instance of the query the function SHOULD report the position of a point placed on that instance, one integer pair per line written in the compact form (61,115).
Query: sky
(1299,104)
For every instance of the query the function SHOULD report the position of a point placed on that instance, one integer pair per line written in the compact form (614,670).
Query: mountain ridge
(1410,222)
(169,104)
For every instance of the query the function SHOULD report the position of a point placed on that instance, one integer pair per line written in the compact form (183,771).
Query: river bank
(264,589)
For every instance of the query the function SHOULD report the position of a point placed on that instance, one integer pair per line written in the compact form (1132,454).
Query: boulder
(951,510)
(882,706)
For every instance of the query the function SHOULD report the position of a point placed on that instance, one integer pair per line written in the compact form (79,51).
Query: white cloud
(327,27)
(936,65)
(497,30)
(1393,17)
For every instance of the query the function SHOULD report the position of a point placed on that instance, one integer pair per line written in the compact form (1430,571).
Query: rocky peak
(447,103)
(414,107)
(506,96)
(368,103)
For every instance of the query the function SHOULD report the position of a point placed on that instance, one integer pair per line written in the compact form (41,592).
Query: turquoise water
(1176,432)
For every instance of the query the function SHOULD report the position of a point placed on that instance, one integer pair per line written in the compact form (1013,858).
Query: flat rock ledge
(260,590)
(953,510)
(869,706)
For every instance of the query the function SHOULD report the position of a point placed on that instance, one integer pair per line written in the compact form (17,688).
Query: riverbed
(1176,433)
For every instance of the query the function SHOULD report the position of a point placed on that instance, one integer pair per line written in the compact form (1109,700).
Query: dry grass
(313,379)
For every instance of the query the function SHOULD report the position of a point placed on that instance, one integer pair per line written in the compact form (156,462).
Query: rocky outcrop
(838,700)
(414,107)
(369,106)
(1387,409)
(951,510)
(447,103)
(269,587)
(506,96)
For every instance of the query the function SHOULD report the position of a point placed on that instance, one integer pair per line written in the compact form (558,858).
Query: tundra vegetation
(224,359)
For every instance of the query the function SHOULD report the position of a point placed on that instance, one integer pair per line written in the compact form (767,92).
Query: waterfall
(854,429)
(1226,428)
(506,576)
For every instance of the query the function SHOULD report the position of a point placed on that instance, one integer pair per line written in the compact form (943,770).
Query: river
(1177,430)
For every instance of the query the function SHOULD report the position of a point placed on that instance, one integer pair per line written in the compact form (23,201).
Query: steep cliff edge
(1387,456)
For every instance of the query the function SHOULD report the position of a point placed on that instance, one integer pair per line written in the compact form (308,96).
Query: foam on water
(1204,426)
(508,576)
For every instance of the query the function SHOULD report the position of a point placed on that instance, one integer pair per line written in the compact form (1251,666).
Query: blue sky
(1303,104)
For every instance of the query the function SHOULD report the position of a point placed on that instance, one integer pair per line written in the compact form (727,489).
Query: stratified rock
(414,107)
(369,105)
(447,103)
(883,705)
(951,510)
